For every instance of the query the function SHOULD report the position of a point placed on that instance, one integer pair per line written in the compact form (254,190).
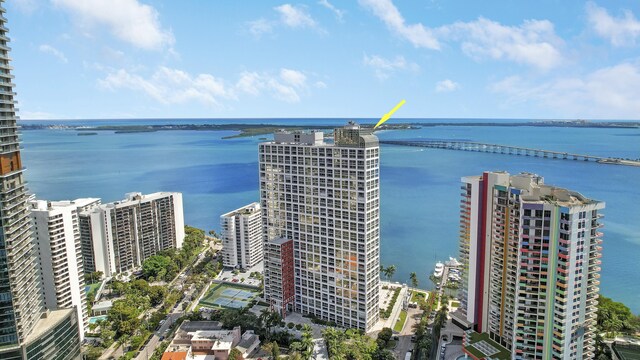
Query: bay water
(420,188)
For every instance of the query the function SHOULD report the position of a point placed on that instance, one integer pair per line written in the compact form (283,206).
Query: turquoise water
(95,319)
(419,187)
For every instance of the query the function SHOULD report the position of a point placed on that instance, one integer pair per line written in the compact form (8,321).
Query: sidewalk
(397,307)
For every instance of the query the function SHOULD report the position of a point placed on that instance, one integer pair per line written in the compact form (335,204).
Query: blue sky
(76,59)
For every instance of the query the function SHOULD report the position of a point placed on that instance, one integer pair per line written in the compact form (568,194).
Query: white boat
(438,270)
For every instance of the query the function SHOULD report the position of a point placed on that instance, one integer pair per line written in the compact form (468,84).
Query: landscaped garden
(495,351)
(401,320)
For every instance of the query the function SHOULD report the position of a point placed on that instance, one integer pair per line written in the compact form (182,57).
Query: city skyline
(149,59)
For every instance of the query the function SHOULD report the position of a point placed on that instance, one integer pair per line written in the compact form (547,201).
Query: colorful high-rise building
(242,244)
(324,197)
(531,256)
(27,329)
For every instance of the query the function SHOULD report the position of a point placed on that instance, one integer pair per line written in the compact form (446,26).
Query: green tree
(269,319)
(235,354)
(123,315)
(385,335)
(160,267)
(157,294)
(603,351)
(272,348)
(93,353)
(107,336)
(93,277)
(614,317)
(414,279)
(390,271)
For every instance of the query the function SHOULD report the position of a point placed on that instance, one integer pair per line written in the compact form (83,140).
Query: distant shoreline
(247,130)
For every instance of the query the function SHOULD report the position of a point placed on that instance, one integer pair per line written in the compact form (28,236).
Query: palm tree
(414,279)
(333,339)
(269,319)
(391,270)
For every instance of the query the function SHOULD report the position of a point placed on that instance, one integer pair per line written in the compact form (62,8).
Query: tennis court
(627,352)
(228,296)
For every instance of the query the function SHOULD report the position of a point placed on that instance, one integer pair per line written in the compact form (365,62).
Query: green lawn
(475,337)
(416,296)
(455,304)
(400,322)
(92,288)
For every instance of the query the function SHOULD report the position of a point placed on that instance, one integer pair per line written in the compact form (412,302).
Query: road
(177,284)
(404,338)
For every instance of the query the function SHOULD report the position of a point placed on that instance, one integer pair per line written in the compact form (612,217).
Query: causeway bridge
(507,150)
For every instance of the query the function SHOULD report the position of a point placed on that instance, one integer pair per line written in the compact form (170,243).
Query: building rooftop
(137,197)
(279,241)
(45,205)
(48,321)
(481,346)
(102,305)
(250,209)
(248,340)
(177,355)
(350,135)
(535,190)
(188,326)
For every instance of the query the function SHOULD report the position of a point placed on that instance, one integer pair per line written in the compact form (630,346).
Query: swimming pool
(95,319)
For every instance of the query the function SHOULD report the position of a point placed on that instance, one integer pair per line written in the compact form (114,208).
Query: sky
(547,59)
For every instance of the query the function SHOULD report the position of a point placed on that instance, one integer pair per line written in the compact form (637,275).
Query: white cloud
(293,77)
(608,93)
(337,12)
(533,43)
(128,20)
(295,16)
(417,34)
(286,87)
(620,31)
(290,16)
(260,26)
(48,49)
(320,84)
(446,86)
(383,67)
(173,86)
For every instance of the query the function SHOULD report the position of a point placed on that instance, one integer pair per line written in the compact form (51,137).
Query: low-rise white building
(242,244)
(207,340)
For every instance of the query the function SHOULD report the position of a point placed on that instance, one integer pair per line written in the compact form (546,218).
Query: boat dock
(508,150)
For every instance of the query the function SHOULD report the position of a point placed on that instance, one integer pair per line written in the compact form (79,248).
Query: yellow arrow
(386,116)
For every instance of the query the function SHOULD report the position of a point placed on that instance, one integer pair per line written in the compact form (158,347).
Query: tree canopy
(614,317)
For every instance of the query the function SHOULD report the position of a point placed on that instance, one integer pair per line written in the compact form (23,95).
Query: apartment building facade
(59,249)
(242,244)
(27,329)
(117,237)
(531,255)
(324,196)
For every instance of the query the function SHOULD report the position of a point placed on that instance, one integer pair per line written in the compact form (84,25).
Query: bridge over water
(507,150)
